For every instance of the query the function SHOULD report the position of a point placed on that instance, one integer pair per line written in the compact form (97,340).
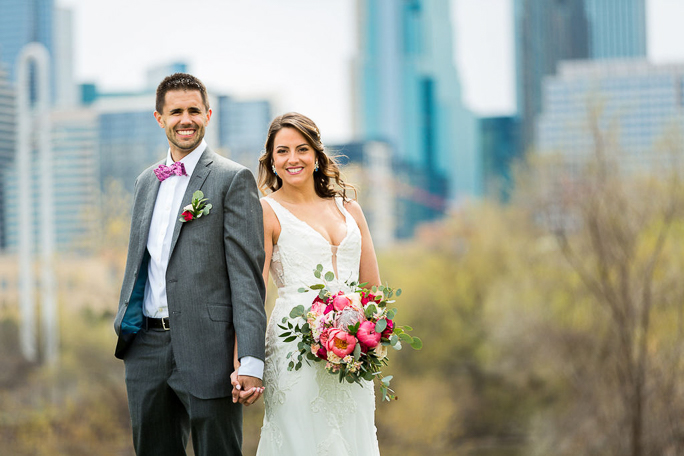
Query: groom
(192,288)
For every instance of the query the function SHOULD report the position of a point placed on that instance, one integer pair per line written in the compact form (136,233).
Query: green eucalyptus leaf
(398,293)
(198,195)
(381,325)
(297,311)
(357,352)
(405,337)
(290,339)
(370,310)
(416,343)
(317,274)
(329,276)
(319,267)
(318,286)
(303,290)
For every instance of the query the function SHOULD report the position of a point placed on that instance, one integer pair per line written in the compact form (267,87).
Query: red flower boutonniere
(196,209)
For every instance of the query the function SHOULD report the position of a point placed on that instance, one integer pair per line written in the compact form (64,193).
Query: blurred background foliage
(543,334)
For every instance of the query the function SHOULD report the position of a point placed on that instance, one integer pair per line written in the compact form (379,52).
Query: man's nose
(186,118)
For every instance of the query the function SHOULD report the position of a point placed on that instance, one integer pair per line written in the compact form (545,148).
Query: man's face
(184,118)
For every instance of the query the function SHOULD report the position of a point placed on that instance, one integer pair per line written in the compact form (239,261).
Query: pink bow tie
(164,171)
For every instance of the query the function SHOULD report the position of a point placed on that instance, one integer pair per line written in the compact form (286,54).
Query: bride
(308,220)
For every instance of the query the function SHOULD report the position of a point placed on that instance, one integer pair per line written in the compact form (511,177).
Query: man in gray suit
(192,288)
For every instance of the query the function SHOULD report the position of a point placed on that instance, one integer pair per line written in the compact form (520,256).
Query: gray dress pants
(162,411)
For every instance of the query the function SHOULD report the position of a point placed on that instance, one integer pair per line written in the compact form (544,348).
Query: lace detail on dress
(276,268)
(333,402)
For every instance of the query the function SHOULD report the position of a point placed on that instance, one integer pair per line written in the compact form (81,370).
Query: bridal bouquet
(351,332)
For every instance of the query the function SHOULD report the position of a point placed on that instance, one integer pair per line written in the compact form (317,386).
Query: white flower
(333,358)
(188,208)
(355,301)
(380,351)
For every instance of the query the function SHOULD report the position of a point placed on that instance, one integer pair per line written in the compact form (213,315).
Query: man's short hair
(180,81)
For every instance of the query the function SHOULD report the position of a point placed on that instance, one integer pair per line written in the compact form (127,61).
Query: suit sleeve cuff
(254,367)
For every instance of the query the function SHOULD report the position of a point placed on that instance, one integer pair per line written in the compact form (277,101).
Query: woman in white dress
(309,219)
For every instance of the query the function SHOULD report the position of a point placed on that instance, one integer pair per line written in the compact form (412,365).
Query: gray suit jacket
(214,282)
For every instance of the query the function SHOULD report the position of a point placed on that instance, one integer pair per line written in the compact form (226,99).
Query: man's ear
(159,119)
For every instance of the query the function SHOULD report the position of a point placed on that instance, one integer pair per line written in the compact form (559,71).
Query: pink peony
(325,335)
(318,307)
(367,335)
(387,333)
(340,342)
(340,301)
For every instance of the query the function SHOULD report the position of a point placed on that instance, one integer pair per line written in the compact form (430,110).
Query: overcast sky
(299,53)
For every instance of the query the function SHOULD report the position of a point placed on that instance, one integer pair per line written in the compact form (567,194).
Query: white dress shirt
(166,213)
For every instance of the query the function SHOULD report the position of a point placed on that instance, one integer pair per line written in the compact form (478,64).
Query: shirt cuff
(254,367)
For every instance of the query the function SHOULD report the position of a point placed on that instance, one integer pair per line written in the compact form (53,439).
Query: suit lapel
(199,175)
(148,190)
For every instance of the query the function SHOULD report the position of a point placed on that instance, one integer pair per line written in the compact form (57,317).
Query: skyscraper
(242,127)
(617,28)
(636,106)
(7,142)
(549,31)
(408,95)
(23,22)
(75,189)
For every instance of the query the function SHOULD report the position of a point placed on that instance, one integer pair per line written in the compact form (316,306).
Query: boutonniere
(196,209)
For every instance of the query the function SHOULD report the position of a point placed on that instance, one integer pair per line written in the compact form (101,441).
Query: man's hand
(246,390)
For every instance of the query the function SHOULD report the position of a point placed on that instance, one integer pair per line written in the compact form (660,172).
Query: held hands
(246,390)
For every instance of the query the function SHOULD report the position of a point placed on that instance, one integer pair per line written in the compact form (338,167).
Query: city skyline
(315,77)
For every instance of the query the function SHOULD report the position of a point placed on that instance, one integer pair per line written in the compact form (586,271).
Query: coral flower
(340,342)
(340,302)
(367,335)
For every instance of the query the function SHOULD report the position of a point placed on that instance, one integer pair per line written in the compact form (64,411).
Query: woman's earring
(316,166)
(274,171)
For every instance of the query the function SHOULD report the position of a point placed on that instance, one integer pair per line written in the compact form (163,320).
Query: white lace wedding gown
(308,411)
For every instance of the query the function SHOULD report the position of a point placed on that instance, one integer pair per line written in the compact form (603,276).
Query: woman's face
(294,159)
